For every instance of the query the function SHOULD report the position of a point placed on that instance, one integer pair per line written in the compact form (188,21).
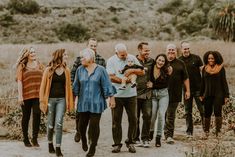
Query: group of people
(140,84)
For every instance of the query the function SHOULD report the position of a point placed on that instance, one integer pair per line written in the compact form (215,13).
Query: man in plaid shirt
(92,44)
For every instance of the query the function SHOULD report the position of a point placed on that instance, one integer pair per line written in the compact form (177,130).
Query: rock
(3,132)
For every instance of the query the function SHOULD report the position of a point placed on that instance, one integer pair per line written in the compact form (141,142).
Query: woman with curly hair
(28,76)
(214,90)
(159,77)
(56,96)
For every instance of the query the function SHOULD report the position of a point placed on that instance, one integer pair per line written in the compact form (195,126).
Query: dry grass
(9,54)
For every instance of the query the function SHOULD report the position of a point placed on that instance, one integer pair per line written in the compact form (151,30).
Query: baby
(131,77)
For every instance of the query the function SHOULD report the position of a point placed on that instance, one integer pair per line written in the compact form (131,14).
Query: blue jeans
(144,106)
(56,110)
(159,106)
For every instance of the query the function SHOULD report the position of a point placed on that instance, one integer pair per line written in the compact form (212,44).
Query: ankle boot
(218,125)
(51,148)
(58,152)
(35,142)
(91,151)
(158,141)
(27,143)
(151,135)
(207,123)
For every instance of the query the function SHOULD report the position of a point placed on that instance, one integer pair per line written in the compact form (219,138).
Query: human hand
(43,108)
(128,72)
(20,101)
(112,103)
(149,84)
(226,101)
(201,98)
(187,95)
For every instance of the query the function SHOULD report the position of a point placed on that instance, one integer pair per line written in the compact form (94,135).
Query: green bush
(24,6)
(73,32)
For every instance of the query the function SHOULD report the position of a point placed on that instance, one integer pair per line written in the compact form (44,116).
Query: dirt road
(72,149)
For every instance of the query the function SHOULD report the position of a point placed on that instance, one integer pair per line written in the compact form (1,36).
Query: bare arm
(187,87)
(20,92)
(138,72)
(115,79)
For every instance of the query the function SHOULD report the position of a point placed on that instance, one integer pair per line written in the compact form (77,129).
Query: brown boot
(207,123)
(218,125)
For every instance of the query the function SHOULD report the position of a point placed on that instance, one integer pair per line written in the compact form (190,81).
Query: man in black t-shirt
(193,64)
(178,78)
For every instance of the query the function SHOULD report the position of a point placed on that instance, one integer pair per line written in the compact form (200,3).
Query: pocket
(163,92)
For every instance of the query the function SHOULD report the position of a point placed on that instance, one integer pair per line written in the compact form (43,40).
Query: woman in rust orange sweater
(29,75)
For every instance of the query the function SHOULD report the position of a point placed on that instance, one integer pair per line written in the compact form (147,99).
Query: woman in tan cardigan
(56,97)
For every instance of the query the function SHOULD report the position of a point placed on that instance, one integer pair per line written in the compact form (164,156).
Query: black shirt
(176,81)
(193,64)
(57,86)
(160,82)
(214,84)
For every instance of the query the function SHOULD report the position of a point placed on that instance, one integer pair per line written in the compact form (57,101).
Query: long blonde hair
(57,60)
(23,58)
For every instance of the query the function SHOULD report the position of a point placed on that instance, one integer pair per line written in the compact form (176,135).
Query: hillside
(77,20)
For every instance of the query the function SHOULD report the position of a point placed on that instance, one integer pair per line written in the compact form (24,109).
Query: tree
(222,19)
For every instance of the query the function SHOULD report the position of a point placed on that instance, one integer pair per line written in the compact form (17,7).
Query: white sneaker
(146,144)
(170,140)
(138,144)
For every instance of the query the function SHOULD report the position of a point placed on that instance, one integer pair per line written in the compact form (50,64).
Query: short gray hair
(173,46)
(88,54)
(120,47)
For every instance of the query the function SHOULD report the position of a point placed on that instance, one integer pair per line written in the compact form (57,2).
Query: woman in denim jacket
(91,87)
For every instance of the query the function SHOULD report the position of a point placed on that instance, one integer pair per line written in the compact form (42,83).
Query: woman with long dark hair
(56,96)
(161,72)
(28,76)
(214,90)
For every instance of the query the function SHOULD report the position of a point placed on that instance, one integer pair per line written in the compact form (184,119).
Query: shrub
(73,32)
(115,20)
(6,19)
(24,6)
(171,7)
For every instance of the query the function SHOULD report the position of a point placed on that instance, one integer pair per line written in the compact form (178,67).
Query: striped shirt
(31,80)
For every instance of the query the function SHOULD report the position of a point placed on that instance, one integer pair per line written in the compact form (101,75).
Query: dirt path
(70,148)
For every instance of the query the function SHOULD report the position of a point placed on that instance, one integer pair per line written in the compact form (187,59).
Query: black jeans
(31,104)
(144,106)
(170,120)
(188,104)
(94,126)
(77,121)
(213,104)
(130,105)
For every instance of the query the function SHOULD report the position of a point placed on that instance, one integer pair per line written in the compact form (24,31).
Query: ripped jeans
(56,110)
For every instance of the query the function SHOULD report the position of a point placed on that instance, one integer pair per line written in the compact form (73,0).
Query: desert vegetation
(40,21)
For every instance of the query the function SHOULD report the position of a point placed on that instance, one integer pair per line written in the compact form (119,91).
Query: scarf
(213,70)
